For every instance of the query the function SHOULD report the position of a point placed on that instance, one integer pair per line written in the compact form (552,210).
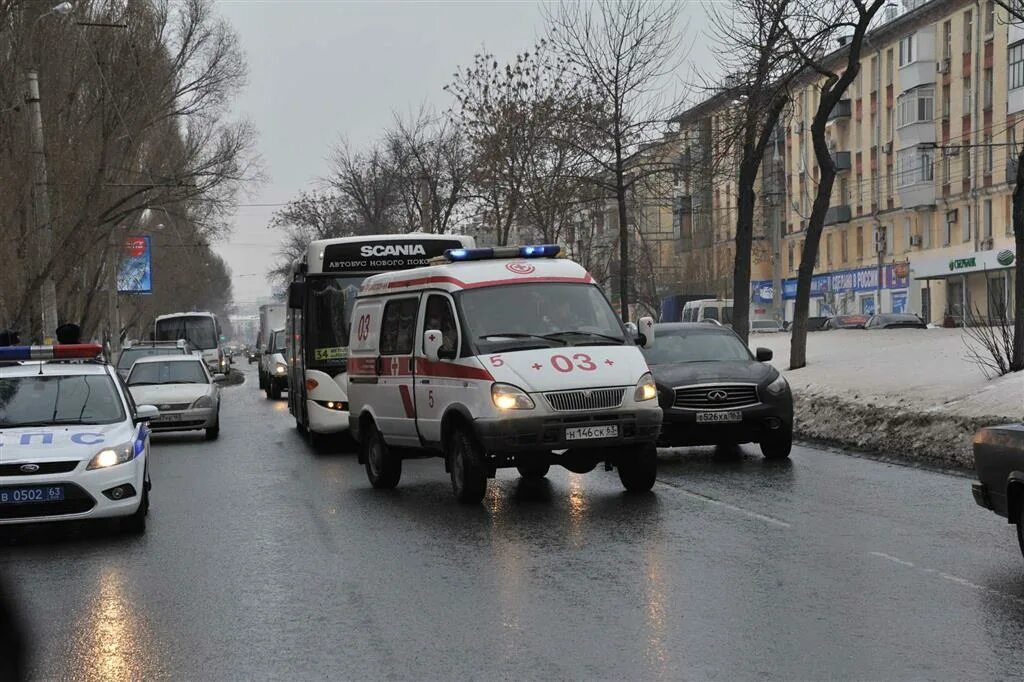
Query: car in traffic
(132,352)
(495,358)
(846,322)
(999,462)
(895,321)
(74,444)
(274,366)
(182,389)
(713,391)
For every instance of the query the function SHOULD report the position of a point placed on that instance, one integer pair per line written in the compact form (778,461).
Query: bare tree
(989,339)
(620,50)
(311,216)
(852,14)
(371,185)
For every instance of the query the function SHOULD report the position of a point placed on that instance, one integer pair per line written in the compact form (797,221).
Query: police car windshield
(40,400)
(150,373)
(130,355)
(539,315)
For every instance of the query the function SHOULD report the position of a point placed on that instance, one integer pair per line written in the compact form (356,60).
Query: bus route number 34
(560,363)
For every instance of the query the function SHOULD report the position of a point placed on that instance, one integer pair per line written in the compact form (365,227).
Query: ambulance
(499,357)
(73,444)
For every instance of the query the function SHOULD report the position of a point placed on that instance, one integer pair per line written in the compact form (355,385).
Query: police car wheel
(469,478)
(383,468)
(533,470)
(136,523)
(638,470)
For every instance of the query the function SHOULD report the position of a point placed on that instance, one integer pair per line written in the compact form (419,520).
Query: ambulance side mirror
(646,327)
(432,340)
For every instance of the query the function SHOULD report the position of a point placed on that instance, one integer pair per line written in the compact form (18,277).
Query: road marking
(950,577)
(731,507)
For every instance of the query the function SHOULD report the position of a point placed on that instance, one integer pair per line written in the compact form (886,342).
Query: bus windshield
(330,302)
(200,331)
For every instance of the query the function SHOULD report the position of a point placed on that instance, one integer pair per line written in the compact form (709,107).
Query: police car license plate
(592,432)
(53,493)
(719,417)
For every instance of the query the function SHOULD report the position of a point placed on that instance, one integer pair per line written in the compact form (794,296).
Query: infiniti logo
(717,396)
(29,468)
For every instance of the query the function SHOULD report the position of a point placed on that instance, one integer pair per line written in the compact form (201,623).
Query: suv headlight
(281,369)
(203,401)
(646,389)
(777,387)
(509,397)
(112,457)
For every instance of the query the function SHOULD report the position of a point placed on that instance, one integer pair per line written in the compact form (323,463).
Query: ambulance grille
(593,399)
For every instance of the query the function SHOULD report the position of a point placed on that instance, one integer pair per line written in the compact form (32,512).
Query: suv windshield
(539,315)
(179,372)
(675,347)
(130,355)
(40,400)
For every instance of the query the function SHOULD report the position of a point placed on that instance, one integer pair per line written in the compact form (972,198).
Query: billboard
(135,275)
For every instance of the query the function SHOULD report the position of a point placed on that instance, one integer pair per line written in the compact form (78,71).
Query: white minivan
(717,309)
(503,357)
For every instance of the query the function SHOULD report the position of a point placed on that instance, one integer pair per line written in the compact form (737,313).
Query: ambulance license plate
(719,417)
(592,432)
(53,493)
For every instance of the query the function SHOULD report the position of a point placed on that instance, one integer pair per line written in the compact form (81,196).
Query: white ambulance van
(503,357)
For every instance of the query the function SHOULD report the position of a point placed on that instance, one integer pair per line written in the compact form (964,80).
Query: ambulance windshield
(539,315)
(41,400)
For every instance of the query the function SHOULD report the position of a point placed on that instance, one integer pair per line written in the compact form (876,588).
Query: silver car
(184,391)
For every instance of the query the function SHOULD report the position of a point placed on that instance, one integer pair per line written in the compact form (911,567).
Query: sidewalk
(903,392)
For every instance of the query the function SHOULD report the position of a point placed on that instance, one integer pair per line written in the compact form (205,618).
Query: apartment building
(920,212)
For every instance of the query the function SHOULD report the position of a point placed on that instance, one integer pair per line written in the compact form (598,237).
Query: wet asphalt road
(267,560)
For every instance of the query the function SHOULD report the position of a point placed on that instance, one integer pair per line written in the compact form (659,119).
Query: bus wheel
(383,468)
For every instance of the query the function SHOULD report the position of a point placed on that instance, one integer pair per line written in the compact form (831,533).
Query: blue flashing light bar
(489,253)
(71,351)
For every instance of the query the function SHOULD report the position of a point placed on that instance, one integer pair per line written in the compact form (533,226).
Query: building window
(907,231)
(888,67)
(926,230)
(986,216)
(967,96)
(990,17)
(1016,59)
(1008,217)
(913,166)
(968,30)
(987,89)
(828,248)
(946,105)
(907,50)
(945,170)
(860,242)
(988,152)
(790,249)
(844,246)
(947,40)
(876,74)
(947,235)
(889,121)
(916,106)
(965,152)
(965,224)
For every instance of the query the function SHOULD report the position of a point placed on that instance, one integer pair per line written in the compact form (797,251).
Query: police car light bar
(68,351)
(488,253)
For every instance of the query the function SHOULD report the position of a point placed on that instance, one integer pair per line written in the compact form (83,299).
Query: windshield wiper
(617,340)
(518,335)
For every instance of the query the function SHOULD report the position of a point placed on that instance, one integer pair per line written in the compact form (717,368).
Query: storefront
(976,286)
(845,292)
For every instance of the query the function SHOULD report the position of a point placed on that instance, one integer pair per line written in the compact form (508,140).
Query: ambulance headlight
(112,457)
(509,397)
(646,389)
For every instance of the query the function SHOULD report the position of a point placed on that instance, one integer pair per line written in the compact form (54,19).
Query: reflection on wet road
(266,559)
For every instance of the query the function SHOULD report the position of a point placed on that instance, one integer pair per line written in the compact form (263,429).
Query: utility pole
(41,196)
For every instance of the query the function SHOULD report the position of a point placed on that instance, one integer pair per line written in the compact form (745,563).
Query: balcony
(838,214)
(841,111)
(841,160)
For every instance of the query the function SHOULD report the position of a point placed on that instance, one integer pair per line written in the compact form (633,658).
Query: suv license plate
(592,432)
(719,417)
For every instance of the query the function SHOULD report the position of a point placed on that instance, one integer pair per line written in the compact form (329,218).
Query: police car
(503,357)
(73,445)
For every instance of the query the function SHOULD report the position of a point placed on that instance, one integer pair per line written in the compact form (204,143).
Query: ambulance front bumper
(563,431)
(86,494)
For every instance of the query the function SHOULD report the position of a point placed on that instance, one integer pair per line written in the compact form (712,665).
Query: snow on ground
(902,392)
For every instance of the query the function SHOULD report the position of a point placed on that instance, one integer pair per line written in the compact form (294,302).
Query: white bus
(200,329)
(321,295)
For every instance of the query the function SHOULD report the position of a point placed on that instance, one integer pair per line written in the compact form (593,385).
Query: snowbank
(904,392)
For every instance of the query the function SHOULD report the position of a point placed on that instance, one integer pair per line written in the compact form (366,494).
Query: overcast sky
(322,69)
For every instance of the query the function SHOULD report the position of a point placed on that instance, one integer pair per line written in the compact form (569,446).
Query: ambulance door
(394,405)
(438,384)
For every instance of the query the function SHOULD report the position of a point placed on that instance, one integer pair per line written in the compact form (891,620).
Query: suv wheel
(465,457)
(778,447)
(639,470)
(383,468)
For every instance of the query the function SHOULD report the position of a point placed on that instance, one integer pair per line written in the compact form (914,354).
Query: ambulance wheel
(534,470)
(469,478)
(383,468)
(136,523)
(638,470)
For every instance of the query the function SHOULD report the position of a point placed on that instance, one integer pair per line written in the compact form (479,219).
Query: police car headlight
(203,401)
(112,457)
(777,387)
(509,397)
(646,389)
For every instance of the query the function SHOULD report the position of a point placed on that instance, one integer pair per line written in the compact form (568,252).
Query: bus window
(329,303)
